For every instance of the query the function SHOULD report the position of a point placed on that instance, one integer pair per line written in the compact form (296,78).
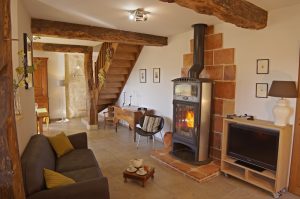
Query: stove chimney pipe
(198,64)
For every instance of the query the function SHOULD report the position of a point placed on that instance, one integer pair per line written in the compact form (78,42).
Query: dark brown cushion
(76,159)
(37,155)
(84,174)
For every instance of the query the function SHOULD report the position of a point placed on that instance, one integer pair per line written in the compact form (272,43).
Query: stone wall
(76,100)
(218,66)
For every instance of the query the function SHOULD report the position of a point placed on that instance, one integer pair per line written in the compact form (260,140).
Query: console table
(130,114)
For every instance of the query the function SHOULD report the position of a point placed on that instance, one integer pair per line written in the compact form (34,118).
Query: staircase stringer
(132,65)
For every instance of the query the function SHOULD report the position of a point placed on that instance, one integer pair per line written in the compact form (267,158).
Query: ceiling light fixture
(35,37)
(138,15)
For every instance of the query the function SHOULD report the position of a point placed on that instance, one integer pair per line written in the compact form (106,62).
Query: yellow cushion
(54,179)
(61,144)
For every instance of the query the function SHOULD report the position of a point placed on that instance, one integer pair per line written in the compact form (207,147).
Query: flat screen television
(253,145)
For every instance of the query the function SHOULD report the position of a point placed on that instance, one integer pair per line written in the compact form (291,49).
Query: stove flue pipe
(198,60)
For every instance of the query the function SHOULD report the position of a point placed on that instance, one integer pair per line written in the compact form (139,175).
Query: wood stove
(192,102)
(191,119)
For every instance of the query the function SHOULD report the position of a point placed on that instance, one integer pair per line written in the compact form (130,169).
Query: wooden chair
(109,116)
(42,117)
(141,132)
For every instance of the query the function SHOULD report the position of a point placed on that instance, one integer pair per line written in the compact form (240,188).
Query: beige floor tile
(114,150)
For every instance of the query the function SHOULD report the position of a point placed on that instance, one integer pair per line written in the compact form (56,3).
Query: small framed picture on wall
(156,75)
(262,66)
(261,90)
(143,74)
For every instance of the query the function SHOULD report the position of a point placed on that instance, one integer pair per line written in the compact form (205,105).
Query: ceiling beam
(42,27)
(64,48)
(239,12)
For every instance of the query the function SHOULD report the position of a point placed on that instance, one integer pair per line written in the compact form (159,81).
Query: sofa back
(37,155)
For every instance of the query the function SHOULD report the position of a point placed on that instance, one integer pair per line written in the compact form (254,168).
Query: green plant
(20,71)
(101,76)
(102,73)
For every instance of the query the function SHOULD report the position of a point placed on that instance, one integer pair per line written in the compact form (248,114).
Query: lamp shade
(284,89)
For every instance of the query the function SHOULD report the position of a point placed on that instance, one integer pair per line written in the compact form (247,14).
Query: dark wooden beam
(76,31)
(11,181)
(65,48)
(92,91)
(239,12)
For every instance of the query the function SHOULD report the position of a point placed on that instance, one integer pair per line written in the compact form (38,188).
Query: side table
(141,178)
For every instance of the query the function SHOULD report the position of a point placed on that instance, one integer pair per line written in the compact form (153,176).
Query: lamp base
(281,112)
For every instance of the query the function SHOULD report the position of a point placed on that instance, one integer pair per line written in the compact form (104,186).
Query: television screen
(257,146)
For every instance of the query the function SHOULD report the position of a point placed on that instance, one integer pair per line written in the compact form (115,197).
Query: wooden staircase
(116,69)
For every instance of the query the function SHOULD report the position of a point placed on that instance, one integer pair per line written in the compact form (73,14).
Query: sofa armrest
(93,189)
(79,140)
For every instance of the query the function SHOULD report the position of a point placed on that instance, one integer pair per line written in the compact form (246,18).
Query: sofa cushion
(76,159)
(54,179)
(86,174)
(151,124)
(37,155)
(61,144)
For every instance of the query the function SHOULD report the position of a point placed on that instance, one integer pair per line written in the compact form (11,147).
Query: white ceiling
(165,19)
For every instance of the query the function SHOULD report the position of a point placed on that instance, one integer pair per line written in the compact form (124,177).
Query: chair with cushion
(149,125)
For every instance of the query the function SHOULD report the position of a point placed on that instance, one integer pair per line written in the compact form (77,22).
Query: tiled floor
(114,150)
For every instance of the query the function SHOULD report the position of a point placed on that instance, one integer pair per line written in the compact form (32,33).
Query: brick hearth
(197,173)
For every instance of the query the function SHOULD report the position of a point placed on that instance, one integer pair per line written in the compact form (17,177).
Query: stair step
(117,71)
(124,56)
(110,90)
(104,102)
(108,96)
(121,63)
(115,78)
(113,85)
(129,48)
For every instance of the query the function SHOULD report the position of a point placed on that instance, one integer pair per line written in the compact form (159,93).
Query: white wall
(158,96)
(56,72)
(279,42)
(26,126)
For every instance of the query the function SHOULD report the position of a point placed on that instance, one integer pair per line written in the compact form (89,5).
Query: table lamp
(282,111)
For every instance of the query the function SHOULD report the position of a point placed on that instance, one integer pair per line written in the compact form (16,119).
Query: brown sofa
(79,164)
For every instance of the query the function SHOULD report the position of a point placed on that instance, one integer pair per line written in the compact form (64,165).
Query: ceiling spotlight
(138,15)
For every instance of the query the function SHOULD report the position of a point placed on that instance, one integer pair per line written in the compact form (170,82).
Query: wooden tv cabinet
(275,182)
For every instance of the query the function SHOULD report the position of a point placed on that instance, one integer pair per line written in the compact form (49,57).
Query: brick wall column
(218,66)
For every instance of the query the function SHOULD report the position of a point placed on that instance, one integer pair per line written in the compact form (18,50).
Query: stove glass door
(185,120)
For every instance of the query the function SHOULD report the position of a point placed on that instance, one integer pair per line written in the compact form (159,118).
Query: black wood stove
(192,102)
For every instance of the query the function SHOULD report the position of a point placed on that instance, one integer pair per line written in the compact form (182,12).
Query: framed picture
(28,61)
(143,76)
(261,90)
(262,66)
(156,75)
